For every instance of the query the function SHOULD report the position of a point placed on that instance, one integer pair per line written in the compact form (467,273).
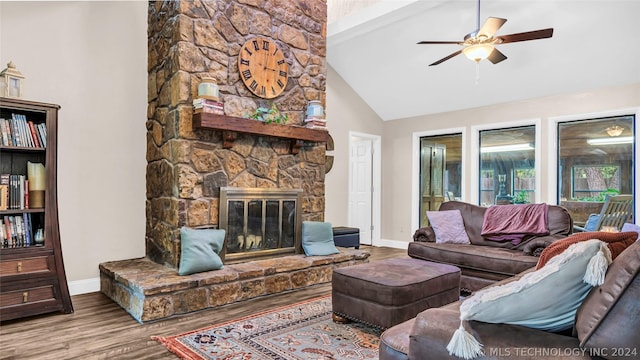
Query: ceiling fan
(480,44)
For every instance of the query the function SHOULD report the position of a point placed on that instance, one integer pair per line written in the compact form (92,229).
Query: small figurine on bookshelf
(38,238)
(11,82)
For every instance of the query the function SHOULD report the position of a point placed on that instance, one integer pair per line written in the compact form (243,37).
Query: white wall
(345,112)
(90,58)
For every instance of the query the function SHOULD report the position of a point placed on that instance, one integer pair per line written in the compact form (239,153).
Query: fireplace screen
(260,222)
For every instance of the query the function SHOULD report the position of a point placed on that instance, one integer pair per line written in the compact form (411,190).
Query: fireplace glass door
(259,222)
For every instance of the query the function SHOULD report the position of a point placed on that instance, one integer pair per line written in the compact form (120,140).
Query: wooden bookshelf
(231,126)
(32,276)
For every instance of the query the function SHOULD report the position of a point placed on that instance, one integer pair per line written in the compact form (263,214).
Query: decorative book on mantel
(211,106)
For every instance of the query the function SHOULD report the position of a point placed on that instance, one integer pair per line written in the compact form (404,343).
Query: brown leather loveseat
(484,262)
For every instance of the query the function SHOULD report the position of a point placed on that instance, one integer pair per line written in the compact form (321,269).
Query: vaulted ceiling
(372,45)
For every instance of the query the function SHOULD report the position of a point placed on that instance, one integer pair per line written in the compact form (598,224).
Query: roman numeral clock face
(263,68)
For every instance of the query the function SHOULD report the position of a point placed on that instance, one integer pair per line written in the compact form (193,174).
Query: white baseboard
(396,244)
(84,286)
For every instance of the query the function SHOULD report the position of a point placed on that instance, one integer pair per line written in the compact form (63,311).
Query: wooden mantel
(231,126)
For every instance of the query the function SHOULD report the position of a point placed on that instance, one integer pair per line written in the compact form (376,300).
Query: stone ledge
(150,291)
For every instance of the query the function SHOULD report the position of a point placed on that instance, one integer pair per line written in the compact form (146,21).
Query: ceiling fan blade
(496,56)
(439,42)
(525,36)
(446,58)
(491,26)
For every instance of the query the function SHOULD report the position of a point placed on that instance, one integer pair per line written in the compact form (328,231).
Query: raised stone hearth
(150,291)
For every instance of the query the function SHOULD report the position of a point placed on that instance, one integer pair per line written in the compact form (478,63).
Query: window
(440,172)
(524,185)
(507,165)
(595,159)
(487,186)
(591,182)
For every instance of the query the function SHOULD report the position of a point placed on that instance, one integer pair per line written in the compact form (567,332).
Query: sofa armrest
(535,246)
(433,328)
(424,234)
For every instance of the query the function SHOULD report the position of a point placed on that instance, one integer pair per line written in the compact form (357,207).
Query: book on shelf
(315,123)
(316,127)
(42,131)
(25,193)
(15,138)
(208,110)
(34,136)
(4,191)
(26,219)
(201,101)
(24,133)
(5,135)
(17,231)
(4,197)
(14,231)
(3,235)
(14,189)
(17,131)
(8,237)
(201,105)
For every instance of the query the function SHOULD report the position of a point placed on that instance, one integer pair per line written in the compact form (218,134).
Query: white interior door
(361,189)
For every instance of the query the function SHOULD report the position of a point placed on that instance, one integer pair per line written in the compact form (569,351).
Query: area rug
(303,330)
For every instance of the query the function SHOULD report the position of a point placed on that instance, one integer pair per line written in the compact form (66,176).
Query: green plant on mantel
(269,115)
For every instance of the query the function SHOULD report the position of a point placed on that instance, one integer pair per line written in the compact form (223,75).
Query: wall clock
(263,68)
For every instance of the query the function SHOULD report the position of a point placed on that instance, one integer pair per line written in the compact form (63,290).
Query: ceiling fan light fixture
(478,52)
(615,130)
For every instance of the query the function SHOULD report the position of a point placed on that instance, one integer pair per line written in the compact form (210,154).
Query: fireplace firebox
(260,222)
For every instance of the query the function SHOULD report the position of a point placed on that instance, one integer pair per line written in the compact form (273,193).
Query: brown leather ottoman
(387,292)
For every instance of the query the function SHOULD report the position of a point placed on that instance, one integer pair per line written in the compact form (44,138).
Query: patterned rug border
(185,352)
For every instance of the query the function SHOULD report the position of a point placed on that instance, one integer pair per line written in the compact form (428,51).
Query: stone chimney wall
(186,167)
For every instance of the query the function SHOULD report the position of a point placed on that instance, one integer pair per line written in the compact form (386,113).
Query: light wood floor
(100,329)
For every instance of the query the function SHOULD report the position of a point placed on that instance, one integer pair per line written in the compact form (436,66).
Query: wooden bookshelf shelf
(231,125)
(21,148)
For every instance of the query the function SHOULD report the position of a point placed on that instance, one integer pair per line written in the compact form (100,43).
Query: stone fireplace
(188,164)
(194,159)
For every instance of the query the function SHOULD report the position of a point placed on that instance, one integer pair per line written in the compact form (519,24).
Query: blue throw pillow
(200,249)
(592,222)
(545,299)
(631,227)
(317,238)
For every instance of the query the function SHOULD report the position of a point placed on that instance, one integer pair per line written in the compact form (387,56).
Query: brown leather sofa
(605,326)
(484,262)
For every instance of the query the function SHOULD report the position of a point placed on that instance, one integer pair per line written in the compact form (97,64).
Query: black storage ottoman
(346,236)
